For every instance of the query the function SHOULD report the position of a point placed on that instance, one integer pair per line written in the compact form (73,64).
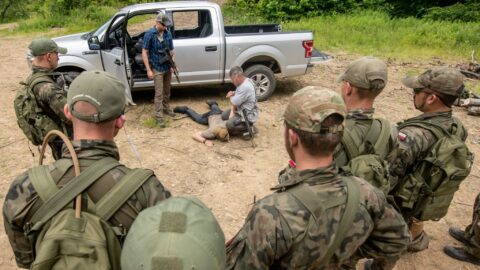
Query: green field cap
(309,107)
(41,46)
(444,80)
(101,90)
(179,233)
(363,71)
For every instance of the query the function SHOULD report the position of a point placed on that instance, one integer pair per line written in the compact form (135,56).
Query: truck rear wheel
(263,79)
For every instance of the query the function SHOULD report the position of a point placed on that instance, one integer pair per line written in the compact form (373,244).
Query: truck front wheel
(263,79)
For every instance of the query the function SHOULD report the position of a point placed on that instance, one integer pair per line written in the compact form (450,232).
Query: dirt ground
(228,176)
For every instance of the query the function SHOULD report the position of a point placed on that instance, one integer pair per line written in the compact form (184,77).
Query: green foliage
(416,8)
(375,33)
(294,9)
(469,12)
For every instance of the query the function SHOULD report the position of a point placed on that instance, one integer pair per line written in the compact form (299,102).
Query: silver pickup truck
(205,48)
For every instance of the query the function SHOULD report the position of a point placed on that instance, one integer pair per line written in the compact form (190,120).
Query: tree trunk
(5,9)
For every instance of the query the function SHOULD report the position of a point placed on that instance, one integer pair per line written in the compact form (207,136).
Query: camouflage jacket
(358,122)
(273,234)
(50,97)
(22,200)
(414,143)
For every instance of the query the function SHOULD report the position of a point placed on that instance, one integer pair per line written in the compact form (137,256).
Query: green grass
(375,33)
(80,20)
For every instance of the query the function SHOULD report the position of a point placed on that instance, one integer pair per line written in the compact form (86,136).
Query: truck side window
(192,24)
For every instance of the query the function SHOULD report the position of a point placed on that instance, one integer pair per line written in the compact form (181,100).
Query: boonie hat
(363,71)
(163,19)
(41,46)
(444,80)
(309,107)
(101,90)
(221,133)
(179,233)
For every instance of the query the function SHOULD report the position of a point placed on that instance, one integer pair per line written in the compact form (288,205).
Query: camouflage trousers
(472,232)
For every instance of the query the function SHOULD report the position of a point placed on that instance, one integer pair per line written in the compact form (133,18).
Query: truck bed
(252,29)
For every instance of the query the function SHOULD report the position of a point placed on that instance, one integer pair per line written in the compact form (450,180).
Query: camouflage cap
(100,89)
(180,233)
(363,71)
(221,133)
(309,107)
(163,19)
(444,80)
(41,46)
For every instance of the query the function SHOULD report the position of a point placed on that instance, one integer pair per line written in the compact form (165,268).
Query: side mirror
(94,43)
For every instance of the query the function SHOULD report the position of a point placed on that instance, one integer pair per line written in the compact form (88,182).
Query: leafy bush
(469,12)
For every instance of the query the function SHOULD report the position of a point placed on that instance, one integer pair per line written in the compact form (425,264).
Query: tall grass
(375,33)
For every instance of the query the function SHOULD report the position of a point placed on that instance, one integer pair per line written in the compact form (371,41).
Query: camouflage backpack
(30,116)
(427,191)
(366,159)
(63,241)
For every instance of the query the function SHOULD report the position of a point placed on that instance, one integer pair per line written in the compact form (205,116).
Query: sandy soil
(228,176)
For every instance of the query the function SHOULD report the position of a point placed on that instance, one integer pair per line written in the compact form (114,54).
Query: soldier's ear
(67,112)
(293,137)
(120,121)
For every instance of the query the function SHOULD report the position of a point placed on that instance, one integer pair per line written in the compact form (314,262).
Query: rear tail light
(308,45)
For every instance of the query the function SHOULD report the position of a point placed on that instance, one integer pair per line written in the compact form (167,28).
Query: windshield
(102,29)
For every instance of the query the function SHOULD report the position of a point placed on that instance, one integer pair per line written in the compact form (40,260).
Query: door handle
(211,48)
(117,62)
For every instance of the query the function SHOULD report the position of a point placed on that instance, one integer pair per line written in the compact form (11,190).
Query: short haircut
(321,144)
(236,70)
(376,87)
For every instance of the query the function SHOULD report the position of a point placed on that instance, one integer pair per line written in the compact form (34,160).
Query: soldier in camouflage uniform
(362,81)
(49,95)
(434,93)
(470,237)
(280,232)
(96,104)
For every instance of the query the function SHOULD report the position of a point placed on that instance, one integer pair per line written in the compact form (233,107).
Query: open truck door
(114,54)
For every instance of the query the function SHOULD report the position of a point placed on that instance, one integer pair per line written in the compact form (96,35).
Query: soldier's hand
(230,94)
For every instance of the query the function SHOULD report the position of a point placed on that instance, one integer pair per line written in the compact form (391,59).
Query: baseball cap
(363,71)
(444,80)
(221,133)
(309,107)
(101,90)
(180,233)
(163,19)
(41,46)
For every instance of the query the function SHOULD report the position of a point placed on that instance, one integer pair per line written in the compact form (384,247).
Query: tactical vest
(427,191)
(31,118)
(63,241)
(365,158)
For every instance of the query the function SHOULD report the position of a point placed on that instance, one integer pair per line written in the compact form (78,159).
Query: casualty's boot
(459,235)
(460,254)
(180,109)
(211,102)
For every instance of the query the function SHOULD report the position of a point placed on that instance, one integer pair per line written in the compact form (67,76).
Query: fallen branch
(171,148)
(462,203)
(5,145)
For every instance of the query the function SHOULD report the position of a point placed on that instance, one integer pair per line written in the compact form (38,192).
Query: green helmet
(179,233)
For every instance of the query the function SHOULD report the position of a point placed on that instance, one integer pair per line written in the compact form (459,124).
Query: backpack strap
(378,135)
(315,206)
(121,192)
(42,180)
(437,130)
(67,193)
(349,145)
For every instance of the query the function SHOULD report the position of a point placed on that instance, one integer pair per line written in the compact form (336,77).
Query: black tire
(264,81)
(68,77)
